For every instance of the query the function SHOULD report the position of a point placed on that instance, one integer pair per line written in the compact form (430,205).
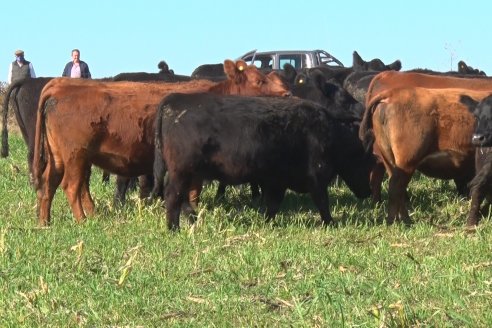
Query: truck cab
(299,59)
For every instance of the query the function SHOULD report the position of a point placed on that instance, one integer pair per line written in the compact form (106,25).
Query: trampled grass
(232,269)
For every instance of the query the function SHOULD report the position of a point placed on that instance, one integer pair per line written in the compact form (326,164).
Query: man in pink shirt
(77,68)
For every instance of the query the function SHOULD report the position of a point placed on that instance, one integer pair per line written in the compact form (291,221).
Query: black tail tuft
(5,143)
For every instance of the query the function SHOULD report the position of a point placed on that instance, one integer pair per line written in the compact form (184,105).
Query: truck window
(327,59)
(260,61)
(298,61)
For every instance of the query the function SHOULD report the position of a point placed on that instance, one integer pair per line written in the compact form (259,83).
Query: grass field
(232,269)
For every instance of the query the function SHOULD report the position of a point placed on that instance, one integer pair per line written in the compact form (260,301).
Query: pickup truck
(299,59)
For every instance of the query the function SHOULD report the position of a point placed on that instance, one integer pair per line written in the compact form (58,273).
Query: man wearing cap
(20,68)
(77,68)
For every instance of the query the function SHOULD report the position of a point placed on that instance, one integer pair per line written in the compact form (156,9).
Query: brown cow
(392,79)
(421,129)
(111,125)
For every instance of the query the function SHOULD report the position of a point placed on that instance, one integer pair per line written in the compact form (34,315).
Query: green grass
(232,269)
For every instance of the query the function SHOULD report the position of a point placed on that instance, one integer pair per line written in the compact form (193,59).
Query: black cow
(326,93)
(463,68)
(164,74)
(24,95)
(211,72)
(279,144)
(481,184)
(339,74)
(463,71)
(482,110)
(357,84)
(376,64)
(314,88)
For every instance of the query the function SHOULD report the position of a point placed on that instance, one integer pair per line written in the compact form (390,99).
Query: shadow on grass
(296,209)
(432,201)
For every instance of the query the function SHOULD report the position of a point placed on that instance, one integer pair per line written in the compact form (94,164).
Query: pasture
(122,267)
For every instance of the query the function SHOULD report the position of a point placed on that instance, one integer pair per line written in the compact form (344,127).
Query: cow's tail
(366,132)
(40,152)
(5,134)
(377,84)
(159,165)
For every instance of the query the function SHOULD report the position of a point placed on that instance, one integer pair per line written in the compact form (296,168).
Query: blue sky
(133,36)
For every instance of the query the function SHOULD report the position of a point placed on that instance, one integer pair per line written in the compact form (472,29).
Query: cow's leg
(159,184)
(273,197)
(376,181)
(477,196)
(145,183)
(159,171)
(194,194)
(397,202)
(122,184)
(132,184)
(221,189)
(157,189)
(105,176)
(484,210)
(73,180)
(480,189)
(255,191)
(50,180)
(462,186)
(30,159)
(87,201)
(175,196)
(320,199)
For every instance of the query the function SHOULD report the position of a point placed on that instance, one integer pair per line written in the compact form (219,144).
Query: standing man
(77,68)
(20,68)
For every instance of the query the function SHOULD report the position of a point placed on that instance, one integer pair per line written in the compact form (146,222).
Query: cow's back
(393,79)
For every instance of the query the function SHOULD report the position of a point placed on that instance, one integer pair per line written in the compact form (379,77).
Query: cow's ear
(395,66)
(330,90)
(289,73)
(229,69)
(357,61)
(469,102)
(318,77)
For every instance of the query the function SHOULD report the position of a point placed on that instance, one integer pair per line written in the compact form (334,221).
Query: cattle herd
(238,124)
